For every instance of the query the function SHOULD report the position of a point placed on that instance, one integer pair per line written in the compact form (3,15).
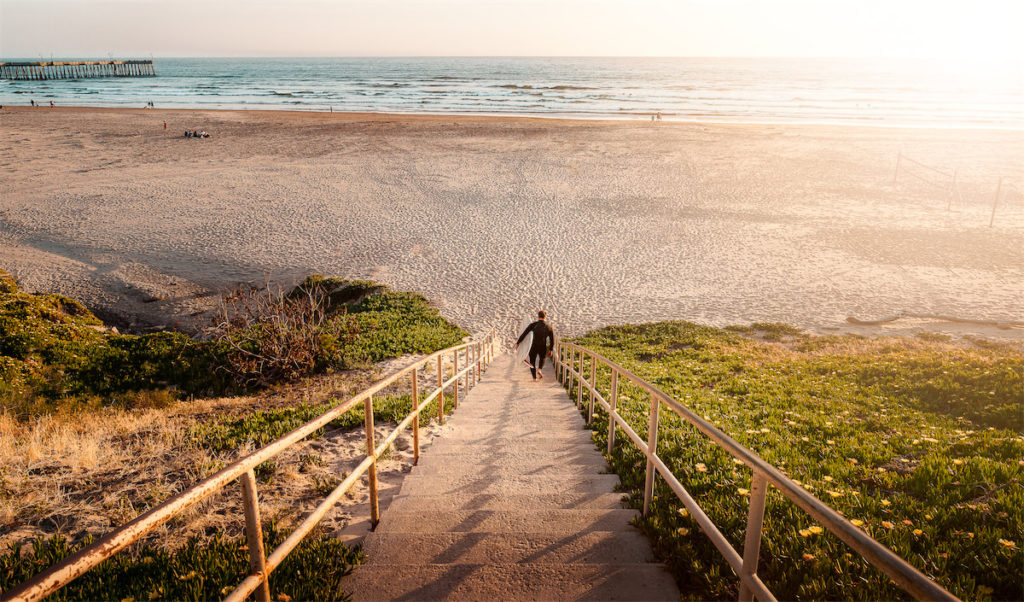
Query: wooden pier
(44,70)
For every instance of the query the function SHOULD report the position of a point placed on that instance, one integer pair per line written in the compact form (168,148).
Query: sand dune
(492,218)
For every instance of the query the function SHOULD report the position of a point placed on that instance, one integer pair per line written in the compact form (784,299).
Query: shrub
(265,336)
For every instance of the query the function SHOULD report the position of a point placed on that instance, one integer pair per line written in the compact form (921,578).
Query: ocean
(842,91)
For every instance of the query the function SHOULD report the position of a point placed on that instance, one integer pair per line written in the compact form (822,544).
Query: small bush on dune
(264,336)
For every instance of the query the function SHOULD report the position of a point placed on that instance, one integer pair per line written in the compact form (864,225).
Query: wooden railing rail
(570,367)
(477,356)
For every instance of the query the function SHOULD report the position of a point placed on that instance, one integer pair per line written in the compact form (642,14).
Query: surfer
(541,345)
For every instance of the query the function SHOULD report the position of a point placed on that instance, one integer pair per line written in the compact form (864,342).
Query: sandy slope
(598,222)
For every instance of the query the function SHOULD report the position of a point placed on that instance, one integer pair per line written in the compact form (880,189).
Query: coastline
(633,118)
(643,221)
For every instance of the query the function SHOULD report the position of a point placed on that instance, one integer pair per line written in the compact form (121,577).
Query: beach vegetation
(201,569)
(259,428)
(918,442)
(55,355)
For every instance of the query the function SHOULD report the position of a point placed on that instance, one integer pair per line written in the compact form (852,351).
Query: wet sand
(598,222)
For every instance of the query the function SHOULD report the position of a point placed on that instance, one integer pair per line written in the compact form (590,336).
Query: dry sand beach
(599,222)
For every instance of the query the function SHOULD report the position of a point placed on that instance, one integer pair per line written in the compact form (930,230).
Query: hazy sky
(987,29)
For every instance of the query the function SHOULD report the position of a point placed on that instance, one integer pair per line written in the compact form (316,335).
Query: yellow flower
(880,469)
(683,531)
(887,524)
(918,532)
(804,439)
(927,516)
(701,468)
(856,522)
(737,461)
(808,557)
(815,529)
(743,491)
(684,512)
(828,479)
(852,460)
(804,533)
(283,598)
(835,494)
(1008,544)
(907,522)
(886,503)
(958,462)
(797,482)
(830,442)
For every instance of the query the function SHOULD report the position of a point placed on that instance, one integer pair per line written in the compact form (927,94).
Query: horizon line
(108,56)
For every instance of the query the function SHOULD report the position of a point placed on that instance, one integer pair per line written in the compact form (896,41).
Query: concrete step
(598,547)
(508,520)
(443,451)
(532,465)
(525,438)
(470,485)
(520,419)
(531,581)
(421,503)
(576,438)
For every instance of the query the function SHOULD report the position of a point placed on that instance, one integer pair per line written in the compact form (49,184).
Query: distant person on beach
(32,103)
(542,345)
(51,103)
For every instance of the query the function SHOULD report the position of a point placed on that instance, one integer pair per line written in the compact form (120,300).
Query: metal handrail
(478,355)
(569,364)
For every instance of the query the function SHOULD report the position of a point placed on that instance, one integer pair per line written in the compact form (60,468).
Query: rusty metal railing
(476,355)
(570,360)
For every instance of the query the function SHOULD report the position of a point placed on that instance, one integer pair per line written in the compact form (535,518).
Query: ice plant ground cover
(918,442)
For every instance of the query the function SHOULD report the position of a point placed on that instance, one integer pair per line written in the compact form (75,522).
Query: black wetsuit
(543,342)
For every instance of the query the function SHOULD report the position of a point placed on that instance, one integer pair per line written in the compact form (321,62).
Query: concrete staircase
(514,504)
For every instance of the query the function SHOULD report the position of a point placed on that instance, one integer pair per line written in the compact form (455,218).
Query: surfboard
(523,354)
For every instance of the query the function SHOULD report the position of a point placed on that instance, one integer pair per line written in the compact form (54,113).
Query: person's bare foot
(539,375)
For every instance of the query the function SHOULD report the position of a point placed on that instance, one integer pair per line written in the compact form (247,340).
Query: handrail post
(440,391)
(560,363)
(579,389)
(652,450)
(469,367)
(254,534)
(755,521)
(371,473)
(455,374)
(415,420)
(593,385)
(479,360)
(611,411)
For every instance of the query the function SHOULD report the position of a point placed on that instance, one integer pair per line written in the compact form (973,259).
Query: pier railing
(45,70)
(476,356)
(574,362)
